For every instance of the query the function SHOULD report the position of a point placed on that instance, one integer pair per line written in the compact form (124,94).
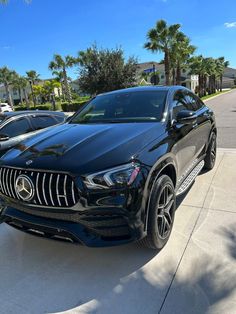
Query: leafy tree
(7,77)
(38,91)
(103,70)
(161,39)
(62,64)
(46,91)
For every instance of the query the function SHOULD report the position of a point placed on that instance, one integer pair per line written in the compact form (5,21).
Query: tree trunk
(173,76)
(67,87)
(32,92)
(178,74)
(221,82)
(9,97)
(63,91)
(21,96)
(59,92)
(167,66)
(26,98)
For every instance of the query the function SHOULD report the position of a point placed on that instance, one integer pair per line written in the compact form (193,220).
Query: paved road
(195,272)
(224,107)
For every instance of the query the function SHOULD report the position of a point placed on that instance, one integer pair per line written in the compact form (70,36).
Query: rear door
(184,135)
(203,127)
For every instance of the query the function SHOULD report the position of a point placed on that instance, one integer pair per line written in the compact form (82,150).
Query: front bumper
(99,218)
(90,229)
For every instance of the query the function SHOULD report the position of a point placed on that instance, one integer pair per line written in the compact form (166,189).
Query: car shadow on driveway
(48,277)
(42,276)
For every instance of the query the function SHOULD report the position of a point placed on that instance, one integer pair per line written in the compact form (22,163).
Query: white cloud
(5,47)
(230,25)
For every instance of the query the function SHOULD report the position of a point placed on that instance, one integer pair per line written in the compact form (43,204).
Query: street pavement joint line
(213,177)
(188,205)
(221,210)
(190,236)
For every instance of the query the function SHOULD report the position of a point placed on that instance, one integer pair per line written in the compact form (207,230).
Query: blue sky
(31,34)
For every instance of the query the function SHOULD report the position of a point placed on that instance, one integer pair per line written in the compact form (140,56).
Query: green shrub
(72,107)
(38,107)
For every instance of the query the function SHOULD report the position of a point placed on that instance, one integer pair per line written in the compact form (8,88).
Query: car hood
(83,148)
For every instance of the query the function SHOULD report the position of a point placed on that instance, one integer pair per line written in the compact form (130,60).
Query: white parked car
(4,107)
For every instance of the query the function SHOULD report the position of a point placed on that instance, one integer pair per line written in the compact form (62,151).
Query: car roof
(11,114)
(145,89)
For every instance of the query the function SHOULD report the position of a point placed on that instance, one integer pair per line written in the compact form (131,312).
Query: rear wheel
(161,213)
(210,158)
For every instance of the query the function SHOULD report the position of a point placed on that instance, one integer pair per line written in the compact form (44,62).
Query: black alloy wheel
(210,158)
(161,213)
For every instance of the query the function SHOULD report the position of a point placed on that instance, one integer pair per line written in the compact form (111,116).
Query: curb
(227,150)
(217,95)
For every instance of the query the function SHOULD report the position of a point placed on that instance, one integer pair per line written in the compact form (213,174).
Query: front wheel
(161,213)
(210,158)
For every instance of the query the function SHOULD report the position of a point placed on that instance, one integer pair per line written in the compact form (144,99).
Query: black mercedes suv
(111,174)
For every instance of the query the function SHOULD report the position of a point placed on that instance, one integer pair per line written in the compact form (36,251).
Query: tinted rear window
(41,122)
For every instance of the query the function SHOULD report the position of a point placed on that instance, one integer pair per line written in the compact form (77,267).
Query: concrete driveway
(194,273)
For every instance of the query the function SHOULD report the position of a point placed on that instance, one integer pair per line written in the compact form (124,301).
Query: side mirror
(4,137)
(186,117)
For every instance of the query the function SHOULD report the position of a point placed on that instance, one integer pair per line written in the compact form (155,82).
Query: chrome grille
(51,189)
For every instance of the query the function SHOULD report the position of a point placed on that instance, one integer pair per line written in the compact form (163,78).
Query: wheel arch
(167,167)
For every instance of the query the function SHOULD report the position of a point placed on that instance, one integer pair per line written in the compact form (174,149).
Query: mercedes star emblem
(24,188)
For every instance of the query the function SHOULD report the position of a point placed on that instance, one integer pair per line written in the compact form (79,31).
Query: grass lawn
(215,94)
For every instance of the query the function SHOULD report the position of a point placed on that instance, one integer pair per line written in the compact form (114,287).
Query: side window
(16,127)
(199,103)
(41,122)
(59,119)
(179,103)
(194,102)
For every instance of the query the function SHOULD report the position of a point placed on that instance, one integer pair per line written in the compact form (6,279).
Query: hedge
(72,107)
(40,107)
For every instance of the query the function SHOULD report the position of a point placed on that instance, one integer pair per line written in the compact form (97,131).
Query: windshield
(123,107)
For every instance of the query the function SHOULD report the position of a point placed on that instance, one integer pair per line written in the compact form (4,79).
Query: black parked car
(112,173)
(16,126)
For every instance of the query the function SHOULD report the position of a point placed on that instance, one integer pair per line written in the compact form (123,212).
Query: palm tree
(61,64)
(197,67)
(21,84)
(221,65)
(32,77)
(181,52)
(59,78)
(161,39)
(7,77)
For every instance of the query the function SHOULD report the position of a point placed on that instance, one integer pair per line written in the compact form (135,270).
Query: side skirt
(190,178)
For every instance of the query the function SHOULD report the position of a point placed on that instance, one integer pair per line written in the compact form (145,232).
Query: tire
(210,158)
(161,213)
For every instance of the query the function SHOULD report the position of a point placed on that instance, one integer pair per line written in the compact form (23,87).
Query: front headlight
(118,176)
